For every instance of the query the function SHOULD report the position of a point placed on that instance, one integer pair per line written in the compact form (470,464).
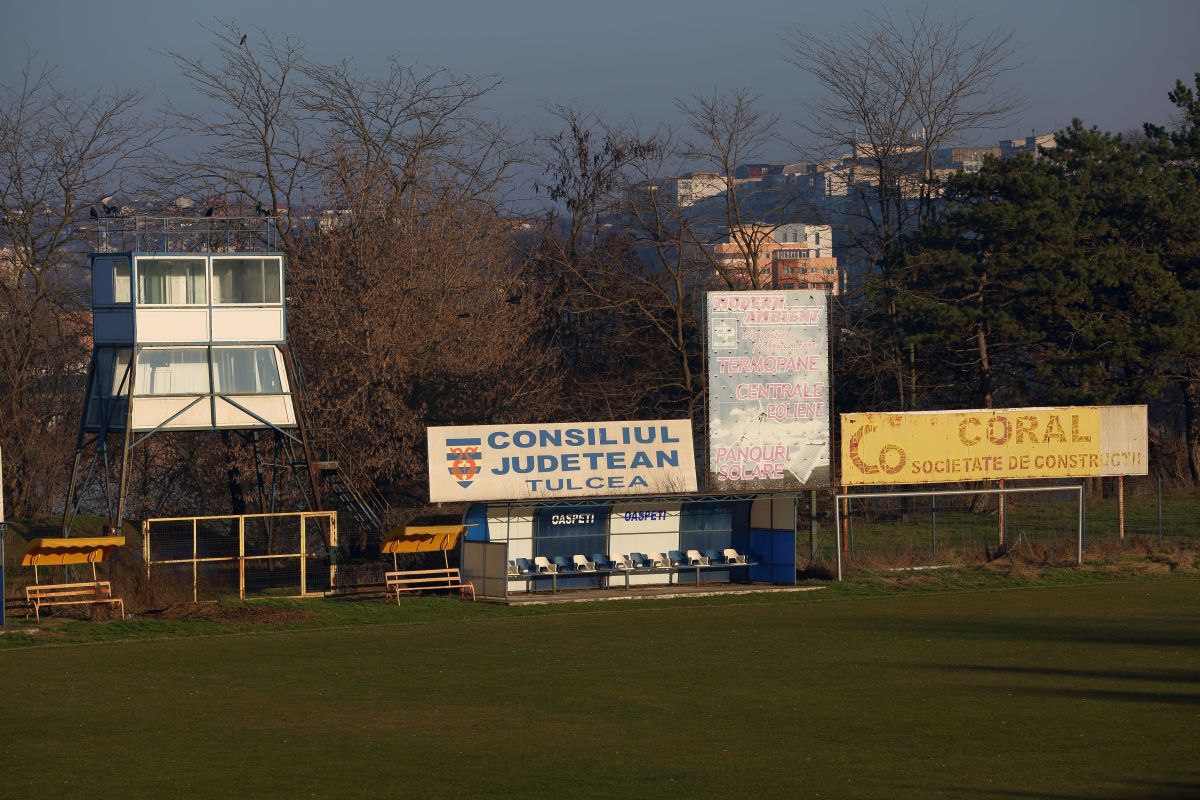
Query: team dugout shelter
(501,535)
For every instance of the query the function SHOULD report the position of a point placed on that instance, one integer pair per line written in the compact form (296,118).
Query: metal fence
(215,557)
(902,527)
(884,529)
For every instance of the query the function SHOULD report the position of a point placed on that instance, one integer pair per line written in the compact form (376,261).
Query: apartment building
(791,256)
(687,190)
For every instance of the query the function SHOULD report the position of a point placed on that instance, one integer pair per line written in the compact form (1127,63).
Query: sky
(1109,63)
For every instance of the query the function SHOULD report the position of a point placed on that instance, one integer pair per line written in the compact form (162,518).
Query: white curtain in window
(121,281)
(246,370)
(172,282)
(177,370)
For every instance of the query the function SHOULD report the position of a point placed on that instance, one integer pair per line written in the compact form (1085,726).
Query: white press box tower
(183,340)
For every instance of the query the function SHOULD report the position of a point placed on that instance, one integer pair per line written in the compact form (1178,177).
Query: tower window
(246,370)
(171,282)
(246,280)
(122,281)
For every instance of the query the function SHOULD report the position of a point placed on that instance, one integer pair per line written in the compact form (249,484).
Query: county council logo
(464,456)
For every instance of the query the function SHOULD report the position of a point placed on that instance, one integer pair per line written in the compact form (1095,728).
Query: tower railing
(186,234)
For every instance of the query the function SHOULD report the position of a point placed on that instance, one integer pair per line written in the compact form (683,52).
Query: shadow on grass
(1153,675)
(1147,632)
(1175,676)
(984,794)
(1136,790)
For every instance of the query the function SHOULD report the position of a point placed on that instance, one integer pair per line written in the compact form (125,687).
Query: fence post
(241,558)
(1121,507)
(195,567)
(1159,493)
(146,547)
(1001,520)
(333,544)
(845,537)
(837,535)
(812,524)
(303,559)
(849,543)
(933,533)
(1083,484)
(1082,513)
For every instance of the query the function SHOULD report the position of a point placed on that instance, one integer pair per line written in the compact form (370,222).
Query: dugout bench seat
(71,594)
(422,580)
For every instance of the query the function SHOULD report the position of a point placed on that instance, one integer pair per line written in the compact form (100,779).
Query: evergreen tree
(1044,280)
(1178,154)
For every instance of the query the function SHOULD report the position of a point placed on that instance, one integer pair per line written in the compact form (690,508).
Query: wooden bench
(427,579)
(71,594)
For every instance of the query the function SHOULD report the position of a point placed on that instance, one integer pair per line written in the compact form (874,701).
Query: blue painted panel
(714,526)
(569,530)
(477,515)
(775,552)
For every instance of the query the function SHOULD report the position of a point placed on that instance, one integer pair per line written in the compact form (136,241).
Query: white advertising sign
(570,459)
(768,390)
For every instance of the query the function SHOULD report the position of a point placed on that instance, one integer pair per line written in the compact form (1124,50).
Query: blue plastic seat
(640,561)
(714,557)
(602,562)
(524,567)
(676,558)
(562,563)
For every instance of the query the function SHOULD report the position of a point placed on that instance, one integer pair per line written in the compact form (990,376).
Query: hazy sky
(1110,63)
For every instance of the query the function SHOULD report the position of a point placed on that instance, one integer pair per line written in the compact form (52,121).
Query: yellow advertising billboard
(990,444)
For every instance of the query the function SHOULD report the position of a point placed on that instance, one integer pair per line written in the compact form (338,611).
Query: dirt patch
(236,614)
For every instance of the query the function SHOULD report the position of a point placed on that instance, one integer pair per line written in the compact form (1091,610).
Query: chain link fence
(896,532)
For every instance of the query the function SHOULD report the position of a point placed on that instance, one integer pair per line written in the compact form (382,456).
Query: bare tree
(728,131)
(60,154)
(253,137)
(627,276)
(672,274)
(896,91)
(411,127)
(411,315)
(585,164)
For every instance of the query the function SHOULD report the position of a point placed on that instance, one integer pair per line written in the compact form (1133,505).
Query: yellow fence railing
(270,552)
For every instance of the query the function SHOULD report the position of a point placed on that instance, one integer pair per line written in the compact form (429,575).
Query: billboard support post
(1121,507)
(837,534)
(845,539)
(933,525)
(1001,520)
(1082,512)
(812,524)
(1158,492)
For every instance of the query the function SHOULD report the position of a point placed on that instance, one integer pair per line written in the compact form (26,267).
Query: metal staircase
(367,508)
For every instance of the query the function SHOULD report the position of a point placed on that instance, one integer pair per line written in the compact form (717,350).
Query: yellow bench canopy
(77,550)
(424,539)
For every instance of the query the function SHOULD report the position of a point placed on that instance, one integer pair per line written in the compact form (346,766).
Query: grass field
(996,689)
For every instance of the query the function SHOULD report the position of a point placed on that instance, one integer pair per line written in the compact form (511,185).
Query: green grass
(984,686)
